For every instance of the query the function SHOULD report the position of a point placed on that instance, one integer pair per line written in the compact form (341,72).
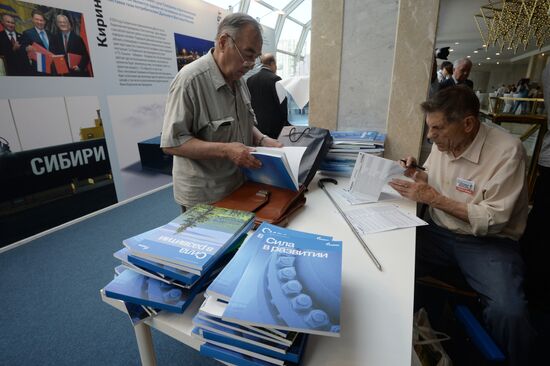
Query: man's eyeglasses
(249,61)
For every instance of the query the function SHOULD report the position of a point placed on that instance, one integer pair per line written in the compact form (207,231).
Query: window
(264,15)
(303,12)
(289,36)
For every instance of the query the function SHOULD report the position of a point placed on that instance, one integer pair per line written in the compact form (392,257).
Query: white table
(376,309)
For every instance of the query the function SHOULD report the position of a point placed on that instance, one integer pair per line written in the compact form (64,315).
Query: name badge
(465,185)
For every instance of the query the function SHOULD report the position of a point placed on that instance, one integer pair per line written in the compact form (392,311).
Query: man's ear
(222,41)
(469,123)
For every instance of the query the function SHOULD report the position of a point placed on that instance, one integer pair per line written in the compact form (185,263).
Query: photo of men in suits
(38,40)
(11,50)
(68,43)
(39,35)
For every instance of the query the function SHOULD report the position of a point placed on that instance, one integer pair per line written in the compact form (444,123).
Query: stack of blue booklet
(164,268)
(345,148)
(280,286)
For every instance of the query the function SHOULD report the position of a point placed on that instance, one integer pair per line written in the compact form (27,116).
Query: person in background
(461,72)
(502,90)
(271,114)
(15,57)
(475,188)
(522,91)
(445,71)
(68,43)
(37,34)
(209,124)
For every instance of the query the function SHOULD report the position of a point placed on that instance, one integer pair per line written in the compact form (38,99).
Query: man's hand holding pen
(419,190)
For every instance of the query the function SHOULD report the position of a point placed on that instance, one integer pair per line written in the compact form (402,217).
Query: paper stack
(279,287)
(342,155)
(164,268)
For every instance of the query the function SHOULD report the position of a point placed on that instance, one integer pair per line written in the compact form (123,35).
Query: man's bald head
(269,60)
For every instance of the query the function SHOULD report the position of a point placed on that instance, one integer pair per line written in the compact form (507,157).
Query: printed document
(368,219)
(369,176)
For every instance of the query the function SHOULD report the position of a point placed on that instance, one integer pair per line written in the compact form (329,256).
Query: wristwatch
(261,139)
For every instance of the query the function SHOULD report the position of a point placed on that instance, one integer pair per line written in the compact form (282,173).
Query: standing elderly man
(272,115)
(67,42)
(461,72)
(475,187)
(209,124)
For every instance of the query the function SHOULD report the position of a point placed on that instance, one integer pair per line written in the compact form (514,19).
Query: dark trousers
(494,269)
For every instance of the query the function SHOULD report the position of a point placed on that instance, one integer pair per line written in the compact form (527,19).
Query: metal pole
(321,185)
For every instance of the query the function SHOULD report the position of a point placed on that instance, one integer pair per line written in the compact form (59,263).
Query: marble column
(370,67)
(326,55)
(412,66)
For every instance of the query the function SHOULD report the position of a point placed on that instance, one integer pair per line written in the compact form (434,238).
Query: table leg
(145,344)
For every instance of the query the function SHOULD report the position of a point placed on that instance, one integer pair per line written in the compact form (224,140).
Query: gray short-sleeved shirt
(201,104)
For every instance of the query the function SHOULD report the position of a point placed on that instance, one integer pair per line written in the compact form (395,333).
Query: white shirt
(490,178)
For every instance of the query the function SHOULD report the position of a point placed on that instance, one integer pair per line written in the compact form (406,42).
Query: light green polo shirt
(201,104)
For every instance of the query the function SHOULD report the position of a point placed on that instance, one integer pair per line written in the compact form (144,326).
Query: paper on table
(370,174)
(388,193)
(369,219)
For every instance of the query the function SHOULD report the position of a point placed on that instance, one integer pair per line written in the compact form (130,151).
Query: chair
(457,304)
(536,123)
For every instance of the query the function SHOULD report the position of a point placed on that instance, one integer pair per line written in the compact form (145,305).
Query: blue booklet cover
(173,274)
(133,287)
(224,285)
(274,171)
(194,239)
(231,357)
(197,333)
(291,284)
(262,344)
(184,277)
(293,353)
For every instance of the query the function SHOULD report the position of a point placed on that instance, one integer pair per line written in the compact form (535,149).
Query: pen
(413,165)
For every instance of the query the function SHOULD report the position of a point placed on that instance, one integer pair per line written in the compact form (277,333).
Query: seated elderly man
(475,187)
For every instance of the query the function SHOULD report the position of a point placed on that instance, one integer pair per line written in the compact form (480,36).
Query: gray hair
(62,16)
(461,61)
(234,23)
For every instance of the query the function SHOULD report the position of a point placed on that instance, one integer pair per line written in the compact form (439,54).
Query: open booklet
(369,176)
(280,166)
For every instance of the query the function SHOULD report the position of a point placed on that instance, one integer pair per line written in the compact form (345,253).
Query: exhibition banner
(90,70)
(77,70)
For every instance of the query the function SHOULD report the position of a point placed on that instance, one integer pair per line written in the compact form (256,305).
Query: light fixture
(468,56)
(479,63)
(498,63)
(488,58)
(451,50)
(476,51)
(457,42)
(511,23)
(497,54)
